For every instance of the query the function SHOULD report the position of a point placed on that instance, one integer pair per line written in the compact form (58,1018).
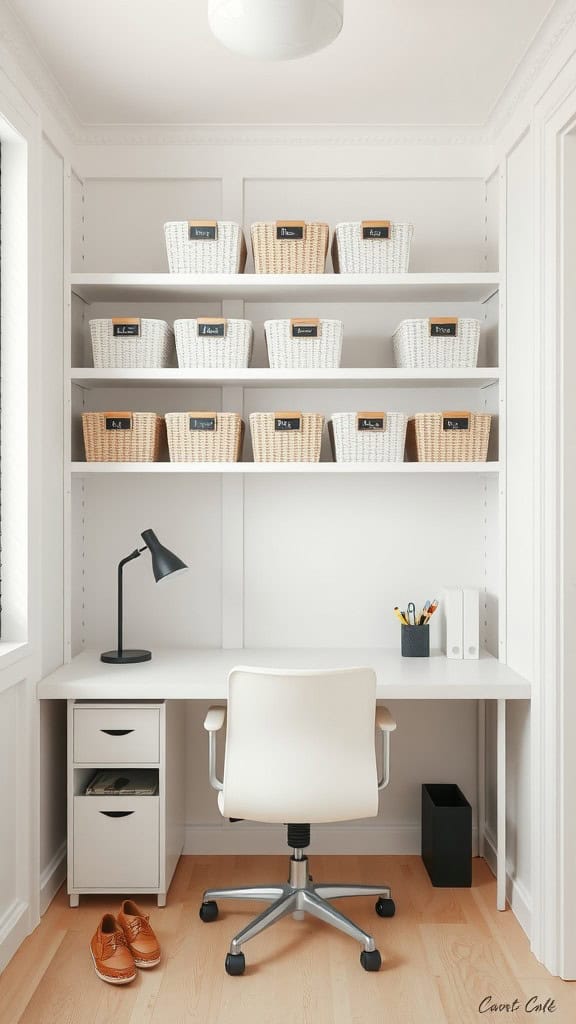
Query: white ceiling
(424,62)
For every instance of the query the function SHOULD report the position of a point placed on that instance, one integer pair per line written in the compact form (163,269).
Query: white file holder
(471,623)
(453,622)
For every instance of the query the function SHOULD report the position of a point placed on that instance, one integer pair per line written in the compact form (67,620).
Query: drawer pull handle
(116,814)
(117,732)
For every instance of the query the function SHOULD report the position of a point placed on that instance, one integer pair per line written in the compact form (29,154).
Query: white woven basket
(131,342)
(271,444)
(368,436)
(439,342)
(201,343)
(204,436)
(223,254)
(352,253)
(303,343)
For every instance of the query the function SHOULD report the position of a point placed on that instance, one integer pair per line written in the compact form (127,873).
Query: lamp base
(126,658)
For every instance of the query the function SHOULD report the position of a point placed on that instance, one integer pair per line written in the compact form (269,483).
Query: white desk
(201,675)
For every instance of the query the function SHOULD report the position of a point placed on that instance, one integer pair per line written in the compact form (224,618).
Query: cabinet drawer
(116,735)
(116,842)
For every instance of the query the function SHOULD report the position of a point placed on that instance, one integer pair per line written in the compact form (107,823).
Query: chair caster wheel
(208,911)
(371,961)
(235,963)
(385,908)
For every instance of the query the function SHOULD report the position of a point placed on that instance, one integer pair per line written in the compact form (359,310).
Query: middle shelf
(476,377)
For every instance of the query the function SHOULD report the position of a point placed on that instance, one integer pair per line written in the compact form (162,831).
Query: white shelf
(201,674)
(90,468)
(470,287)
(480,377)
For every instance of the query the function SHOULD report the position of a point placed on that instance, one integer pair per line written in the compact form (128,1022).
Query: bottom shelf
(86,468)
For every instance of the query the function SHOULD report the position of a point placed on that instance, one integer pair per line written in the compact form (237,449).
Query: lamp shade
(275,29)
(164,562)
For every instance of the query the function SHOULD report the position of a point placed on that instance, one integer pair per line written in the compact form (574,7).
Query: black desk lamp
(164,563)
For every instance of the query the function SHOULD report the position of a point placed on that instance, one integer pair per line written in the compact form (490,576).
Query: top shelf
(285,287)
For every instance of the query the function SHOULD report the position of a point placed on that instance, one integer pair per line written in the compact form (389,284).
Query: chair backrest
(300,745)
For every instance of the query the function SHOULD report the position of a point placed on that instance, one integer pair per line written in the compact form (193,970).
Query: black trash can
(446,835)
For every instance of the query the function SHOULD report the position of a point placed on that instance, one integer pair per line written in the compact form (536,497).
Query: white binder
(471,623)
(453,619)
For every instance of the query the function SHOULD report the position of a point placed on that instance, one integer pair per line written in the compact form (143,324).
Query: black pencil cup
(415,641)
(446,835)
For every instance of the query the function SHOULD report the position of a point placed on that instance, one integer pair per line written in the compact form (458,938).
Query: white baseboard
(516,892)
(52,877)
(245,837)
(14,927)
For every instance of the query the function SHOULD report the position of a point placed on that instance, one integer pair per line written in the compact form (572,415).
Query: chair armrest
(215,718)
(386,724)
(384,720)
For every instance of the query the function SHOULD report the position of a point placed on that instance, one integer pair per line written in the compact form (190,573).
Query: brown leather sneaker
(113,961)
(139,935)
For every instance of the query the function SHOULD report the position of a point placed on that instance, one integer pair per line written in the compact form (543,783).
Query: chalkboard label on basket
(375,229)
(287,421)
(289,230)
(211,328)
(371,421)
(126,327)
(455,421)
(120,421)
(202,422)
(202,230)
(305,328)
(443,327)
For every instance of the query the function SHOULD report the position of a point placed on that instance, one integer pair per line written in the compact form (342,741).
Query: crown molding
(16,42)
(211,135)
(547,41)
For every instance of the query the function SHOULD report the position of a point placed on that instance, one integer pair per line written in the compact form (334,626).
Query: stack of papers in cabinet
(124,782)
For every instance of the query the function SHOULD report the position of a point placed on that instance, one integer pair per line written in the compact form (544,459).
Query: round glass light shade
(275,29)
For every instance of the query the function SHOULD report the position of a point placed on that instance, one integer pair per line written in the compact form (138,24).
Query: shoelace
(139,924)
(111,942)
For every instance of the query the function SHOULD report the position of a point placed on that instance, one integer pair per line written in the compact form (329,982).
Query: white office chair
(300,749)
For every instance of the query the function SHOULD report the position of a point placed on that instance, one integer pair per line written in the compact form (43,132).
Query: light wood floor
(445,950)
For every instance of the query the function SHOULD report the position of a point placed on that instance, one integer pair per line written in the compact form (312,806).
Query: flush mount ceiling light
(275,29)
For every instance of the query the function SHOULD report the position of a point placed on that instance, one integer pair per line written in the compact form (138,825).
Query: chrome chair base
(297,897)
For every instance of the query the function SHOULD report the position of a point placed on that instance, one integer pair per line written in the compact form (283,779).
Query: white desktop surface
(201,674)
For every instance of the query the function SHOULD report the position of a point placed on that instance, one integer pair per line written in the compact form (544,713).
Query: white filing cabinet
(124,844)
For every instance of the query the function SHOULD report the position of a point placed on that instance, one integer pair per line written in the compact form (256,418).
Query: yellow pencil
(400,617)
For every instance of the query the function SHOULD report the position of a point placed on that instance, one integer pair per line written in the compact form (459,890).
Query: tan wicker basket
(122,436)
(289,247)
(286,436)
(448,437)
(204,436)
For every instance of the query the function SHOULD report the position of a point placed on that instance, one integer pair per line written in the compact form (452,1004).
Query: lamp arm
(134,554)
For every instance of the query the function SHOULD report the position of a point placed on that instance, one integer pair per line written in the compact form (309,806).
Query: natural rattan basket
(289,247)
(437,342)
(371,247)
(213,342)
(448,437)
(205,247)
(368,436)
(122,436)
(131,342)
(303,343)
(204,436)
(286,436)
